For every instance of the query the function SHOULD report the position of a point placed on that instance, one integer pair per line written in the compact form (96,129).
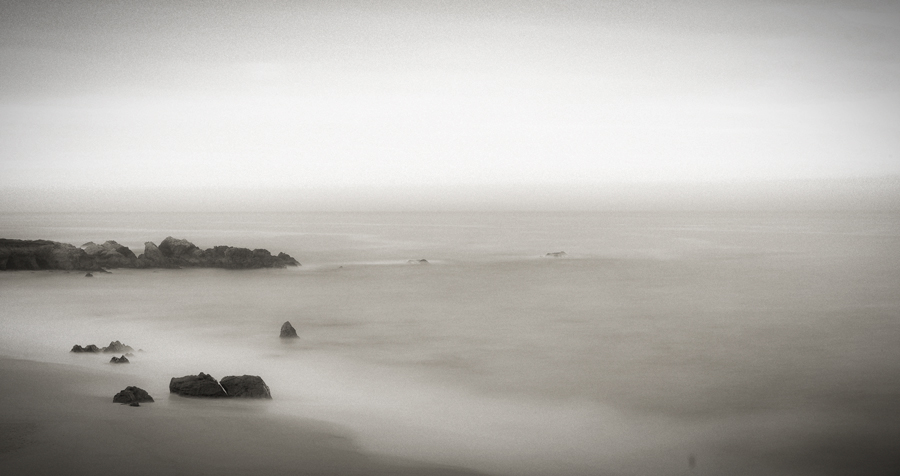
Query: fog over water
(754,342)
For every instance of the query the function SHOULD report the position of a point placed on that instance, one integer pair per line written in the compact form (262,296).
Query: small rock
(556,254)
(134,404)
(418,261)
(287,330)
(132,395)
(119,360)
(88,275)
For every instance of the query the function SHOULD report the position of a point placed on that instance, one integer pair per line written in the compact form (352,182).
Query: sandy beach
(60,419)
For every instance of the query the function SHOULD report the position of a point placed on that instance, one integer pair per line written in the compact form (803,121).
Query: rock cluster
(171,253)
(88,348)
(119,360)
(114,347)
(204,385)
(287,330)
(132,395)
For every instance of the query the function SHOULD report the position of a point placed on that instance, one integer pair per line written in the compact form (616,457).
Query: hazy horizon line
(862,193)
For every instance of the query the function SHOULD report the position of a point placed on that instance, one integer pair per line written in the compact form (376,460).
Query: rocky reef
(171,253)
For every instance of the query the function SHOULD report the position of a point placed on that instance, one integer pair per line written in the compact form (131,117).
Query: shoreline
(58,419)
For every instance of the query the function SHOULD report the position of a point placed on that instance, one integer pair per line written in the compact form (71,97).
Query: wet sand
(59,419)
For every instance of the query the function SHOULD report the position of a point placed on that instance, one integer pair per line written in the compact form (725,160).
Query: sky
(396,97)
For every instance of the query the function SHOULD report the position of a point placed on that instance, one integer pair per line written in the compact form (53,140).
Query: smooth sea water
(663,343)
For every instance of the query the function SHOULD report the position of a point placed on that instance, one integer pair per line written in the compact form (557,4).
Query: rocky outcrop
(43,254)
(118,360)
(117,347)
(132,395)
(288,331)
(91,348)
(245,386)
(202,385)
(171,253)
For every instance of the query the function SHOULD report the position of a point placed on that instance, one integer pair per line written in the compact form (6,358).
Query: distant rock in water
(557,254)
(287,330)
(119,360)
(245,386)
(418,261)
(132,396)
(117,348)
(88,348)
(88,275)
(202,385)
(171,253)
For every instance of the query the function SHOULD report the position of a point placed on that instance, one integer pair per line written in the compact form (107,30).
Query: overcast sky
(340,94)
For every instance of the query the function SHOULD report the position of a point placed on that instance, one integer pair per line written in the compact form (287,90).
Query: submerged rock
(88,275)
(201,385)
(418,261)
(556,254)
(287,330)
(245,386)
(119,360)
(132,395)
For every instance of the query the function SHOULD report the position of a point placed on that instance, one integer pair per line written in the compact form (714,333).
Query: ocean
(661,343)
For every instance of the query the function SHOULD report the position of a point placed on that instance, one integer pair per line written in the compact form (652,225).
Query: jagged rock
(556,254)
(201,385)
(287,330)
(418,261)
(245,386)
(174,248)
(132,395)
(88,348)
(117,347)
(118,360)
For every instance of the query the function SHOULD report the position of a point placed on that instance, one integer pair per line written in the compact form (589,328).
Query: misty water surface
(758,343)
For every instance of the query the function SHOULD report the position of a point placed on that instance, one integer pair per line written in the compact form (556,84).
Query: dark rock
(119,360)
(88,348)
(134,404)
(556,254)
(88,275)
(287,330)
(117,348)
(418,261)
(171,253)
(202,385)
(178,249)
(245,386)
(132,395)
